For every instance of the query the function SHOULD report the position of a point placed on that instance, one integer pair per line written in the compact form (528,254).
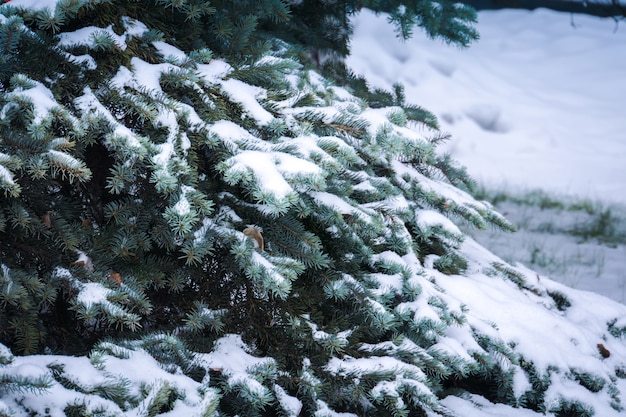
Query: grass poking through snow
(579,242)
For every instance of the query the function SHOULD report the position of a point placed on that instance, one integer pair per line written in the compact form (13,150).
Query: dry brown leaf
(115,276)
(254,234)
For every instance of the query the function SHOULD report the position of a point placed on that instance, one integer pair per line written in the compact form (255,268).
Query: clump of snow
(213,72)
(474,405)
(430,218)
(133,27)
(379,119)
(83,260)
(247,96)
(86,60)
(324,411)
(231,132)
(85,35)
(334,201)
(93,293)
(143,75)
(35,4)
(41,97)
(290,404)
(6,175)
(277,279)
(359,367)
(183,206)
(272,170)
(88,102)
(150,73)
(61,273)
(168,50)
(230,355)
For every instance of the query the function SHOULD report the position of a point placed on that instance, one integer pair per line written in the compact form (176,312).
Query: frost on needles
(197,220)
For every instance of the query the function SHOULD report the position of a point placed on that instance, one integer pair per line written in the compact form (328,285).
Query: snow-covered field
(536,103)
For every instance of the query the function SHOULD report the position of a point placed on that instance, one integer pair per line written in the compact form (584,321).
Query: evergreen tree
(183,181)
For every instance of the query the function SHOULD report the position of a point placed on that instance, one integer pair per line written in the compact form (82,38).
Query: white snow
(247,96)
(474,405)
(290,404)
(93,293)
(133,27)
(35,4)
(349,366)
(277,279)
(41,97)
(229,354)
(168,50)
(84,36)
(229,131)
(272,170)
(123,77)
(6,175)
(546,244)
(430,218)
(89,102)
(324,411)
(213,72)
(63,158)
(167,118)
(334,201)
(140,370)
(535,103)
(183,207)
(148,74)
(87,60)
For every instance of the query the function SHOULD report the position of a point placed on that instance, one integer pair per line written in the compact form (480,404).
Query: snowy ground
(536,103)
(580,245)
